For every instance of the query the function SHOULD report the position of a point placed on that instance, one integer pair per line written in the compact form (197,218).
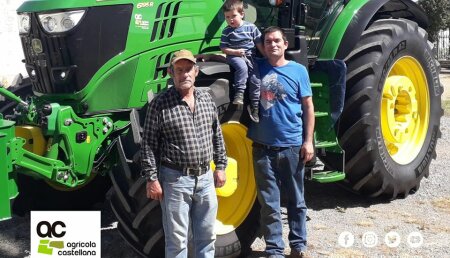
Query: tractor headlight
(60,22)
(24,23)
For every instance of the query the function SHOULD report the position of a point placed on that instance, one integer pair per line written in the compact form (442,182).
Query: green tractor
(72,129)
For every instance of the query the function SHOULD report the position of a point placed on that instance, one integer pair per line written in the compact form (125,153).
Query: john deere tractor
(71,130)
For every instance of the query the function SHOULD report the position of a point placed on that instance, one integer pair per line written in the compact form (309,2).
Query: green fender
(356,16)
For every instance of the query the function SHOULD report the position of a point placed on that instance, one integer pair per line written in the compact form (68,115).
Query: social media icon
(370,239)
(346,239)
(392,239)
(415,239)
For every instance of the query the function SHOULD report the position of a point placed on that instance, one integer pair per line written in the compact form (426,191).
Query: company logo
(36,44)
(65,234)
(45,229)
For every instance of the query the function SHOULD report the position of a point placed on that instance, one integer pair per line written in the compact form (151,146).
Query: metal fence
(442,45)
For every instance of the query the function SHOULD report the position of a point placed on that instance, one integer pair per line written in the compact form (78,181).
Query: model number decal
(144,5)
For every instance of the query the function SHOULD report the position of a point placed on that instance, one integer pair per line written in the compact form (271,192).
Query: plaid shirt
(175,134)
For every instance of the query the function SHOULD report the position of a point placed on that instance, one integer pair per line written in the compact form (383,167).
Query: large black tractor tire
(139,218)
(36,194)
(390,123)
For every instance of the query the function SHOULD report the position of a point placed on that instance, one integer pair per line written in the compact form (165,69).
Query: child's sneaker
(238,98)
(254,113)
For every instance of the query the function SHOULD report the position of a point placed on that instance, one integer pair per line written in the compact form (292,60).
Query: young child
(238,42)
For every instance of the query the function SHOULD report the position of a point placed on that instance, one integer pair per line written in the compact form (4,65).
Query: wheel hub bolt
(68,122)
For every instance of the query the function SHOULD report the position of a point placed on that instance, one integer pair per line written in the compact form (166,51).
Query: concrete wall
(11,54)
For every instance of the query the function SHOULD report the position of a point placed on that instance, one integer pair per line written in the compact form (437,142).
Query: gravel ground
(332,211)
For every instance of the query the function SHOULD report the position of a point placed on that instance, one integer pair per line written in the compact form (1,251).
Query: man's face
(183,73)
(274,45)
(234,18)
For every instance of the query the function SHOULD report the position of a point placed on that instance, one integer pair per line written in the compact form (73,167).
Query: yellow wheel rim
(235,208)
(405,110)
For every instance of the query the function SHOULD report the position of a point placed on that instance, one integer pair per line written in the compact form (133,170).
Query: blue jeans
(246,68)
(275,168)
(188,202)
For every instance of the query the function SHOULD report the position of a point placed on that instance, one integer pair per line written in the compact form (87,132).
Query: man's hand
(154,190)
(219,178)
(307,151)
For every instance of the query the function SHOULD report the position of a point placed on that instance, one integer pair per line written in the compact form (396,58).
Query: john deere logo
(46,229)
(36,44)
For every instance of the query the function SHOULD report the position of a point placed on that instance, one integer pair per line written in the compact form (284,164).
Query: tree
(448,18)
(438,15)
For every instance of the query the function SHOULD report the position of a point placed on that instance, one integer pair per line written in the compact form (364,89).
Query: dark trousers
(246,69)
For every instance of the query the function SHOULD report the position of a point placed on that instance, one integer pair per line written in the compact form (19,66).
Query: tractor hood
(53,5)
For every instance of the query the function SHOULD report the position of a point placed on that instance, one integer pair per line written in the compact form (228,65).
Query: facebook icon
(346,239)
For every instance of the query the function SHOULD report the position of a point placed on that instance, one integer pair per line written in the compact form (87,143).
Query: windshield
(320,18)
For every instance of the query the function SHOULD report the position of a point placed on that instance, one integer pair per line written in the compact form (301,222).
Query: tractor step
(326,144)
(326,176)
(320,114)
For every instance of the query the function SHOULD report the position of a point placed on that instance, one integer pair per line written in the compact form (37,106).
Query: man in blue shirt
(282,144)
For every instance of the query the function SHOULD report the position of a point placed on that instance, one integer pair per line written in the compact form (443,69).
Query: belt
(187,171)
(267,147)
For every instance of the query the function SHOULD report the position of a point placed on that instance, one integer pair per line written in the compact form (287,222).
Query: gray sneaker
(254,113)
(238,98)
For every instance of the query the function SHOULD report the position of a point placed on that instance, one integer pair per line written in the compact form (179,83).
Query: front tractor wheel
(238,214)
(139,218)
(390,123)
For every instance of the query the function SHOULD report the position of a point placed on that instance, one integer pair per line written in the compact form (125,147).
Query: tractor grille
(160,75)
(67,61)
(161,60)
(165,20)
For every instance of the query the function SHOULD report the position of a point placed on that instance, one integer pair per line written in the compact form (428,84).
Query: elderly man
(182,135)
